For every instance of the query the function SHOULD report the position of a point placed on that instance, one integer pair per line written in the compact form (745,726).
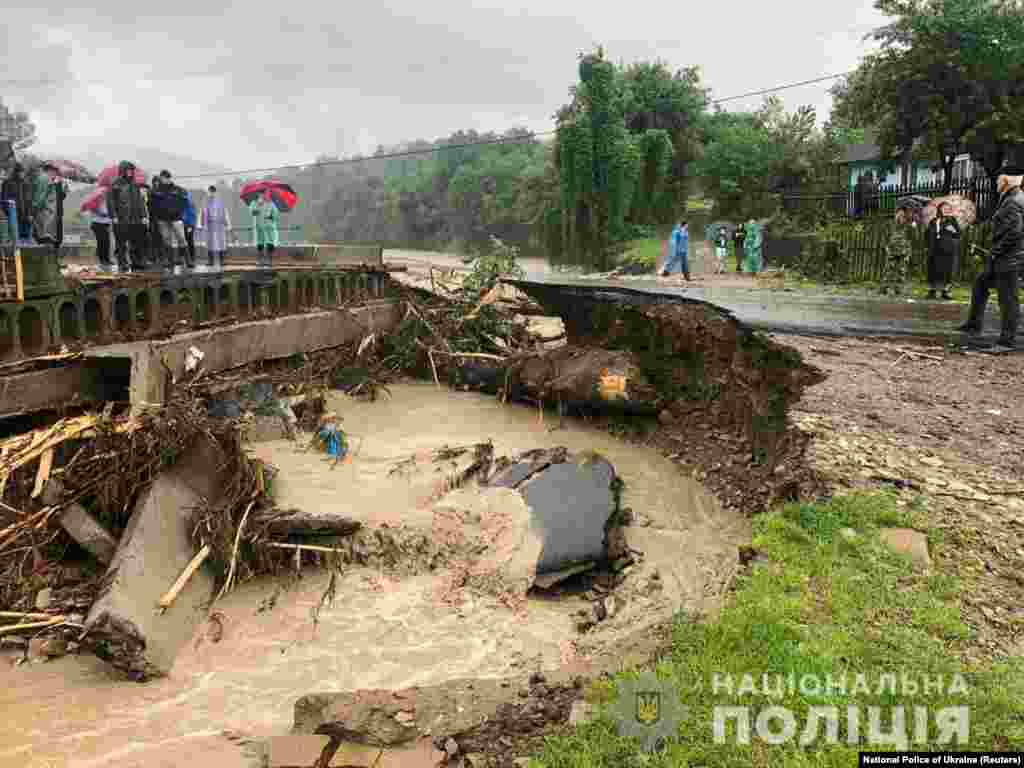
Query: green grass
(644,253)
(825,603)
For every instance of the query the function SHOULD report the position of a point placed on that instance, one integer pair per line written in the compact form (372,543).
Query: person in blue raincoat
(752,246)
(190,219)
(678,258)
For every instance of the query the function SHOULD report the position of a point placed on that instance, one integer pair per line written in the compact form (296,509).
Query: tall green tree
(749,158)
(616,152)
(665,108)
(948,74)
(736,165)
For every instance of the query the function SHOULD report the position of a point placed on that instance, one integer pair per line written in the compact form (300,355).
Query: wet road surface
(783,311)
(767,309)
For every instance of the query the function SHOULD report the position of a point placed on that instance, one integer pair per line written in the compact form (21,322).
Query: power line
(486,142)
(782,88)
(50,81)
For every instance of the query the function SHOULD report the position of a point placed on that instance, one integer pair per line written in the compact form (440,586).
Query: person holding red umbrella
(265,218)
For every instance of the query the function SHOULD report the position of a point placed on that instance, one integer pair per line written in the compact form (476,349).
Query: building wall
(860,169)
(920,173)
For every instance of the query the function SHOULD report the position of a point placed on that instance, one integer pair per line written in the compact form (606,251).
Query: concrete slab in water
(154,550)
(571,503)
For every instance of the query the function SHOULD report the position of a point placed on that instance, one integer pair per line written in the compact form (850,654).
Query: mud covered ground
(939,429)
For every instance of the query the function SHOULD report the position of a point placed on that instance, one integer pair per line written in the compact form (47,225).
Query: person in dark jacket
(943,249)
(167,204)
(190,218)
(737,238)
(153,239)
(1004,261)
(130,219)
(16,194)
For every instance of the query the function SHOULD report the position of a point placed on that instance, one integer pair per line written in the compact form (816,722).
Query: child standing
(721,249)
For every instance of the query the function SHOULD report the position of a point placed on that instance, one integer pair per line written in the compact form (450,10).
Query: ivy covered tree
(662,104)
(615,150)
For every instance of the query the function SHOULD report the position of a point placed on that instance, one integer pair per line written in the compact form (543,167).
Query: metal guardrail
(237,236)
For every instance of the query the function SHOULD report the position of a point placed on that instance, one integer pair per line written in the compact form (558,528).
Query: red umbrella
(93,200)
(108,175)
(282,194)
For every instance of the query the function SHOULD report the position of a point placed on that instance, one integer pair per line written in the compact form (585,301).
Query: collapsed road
(445,528)
(785,312)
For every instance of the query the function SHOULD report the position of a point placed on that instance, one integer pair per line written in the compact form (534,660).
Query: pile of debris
(105,517)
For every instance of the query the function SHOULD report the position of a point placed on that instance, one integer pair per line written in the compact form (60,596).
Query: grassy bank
(642,253)
(823,601)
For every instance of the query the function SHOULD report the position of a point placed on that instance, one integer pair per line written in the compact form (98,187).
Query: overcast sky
(267,83)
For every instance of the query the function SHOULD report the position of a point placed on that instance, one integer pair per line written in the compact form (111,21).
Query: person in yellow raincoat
(265,220)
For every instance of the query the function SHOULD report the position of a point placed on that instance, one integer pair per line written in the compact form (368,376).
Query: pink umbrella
(958,206)
(108,175)
(93,200)
(67,169)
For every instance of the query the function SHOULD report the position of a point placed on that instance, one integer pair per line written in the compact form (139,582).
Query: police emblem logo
(648,707)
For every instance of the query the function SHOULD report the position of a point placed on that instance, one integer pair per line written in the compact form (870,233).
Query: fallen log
(298,523)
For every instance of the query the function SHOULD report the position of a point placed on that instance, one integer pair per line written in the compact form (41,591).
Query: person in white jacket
(215,223)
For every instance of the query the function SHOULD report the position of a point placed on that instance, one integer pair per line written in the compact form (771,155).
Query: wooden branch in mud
(301,547)
(306,523)
(168,599)
(433,367)
(442,339)
(25,616)
(238,539)
(31,626)
(477,355)
(43,474)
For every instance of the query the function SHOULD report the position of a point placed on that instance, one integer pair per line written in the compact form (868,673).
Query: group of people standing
(943,236)
(1002,263)
(153,226)
(33,204)
(747,238)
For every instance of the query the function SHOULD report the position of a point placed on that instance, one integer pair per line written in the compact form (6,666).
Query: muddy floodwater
(380,631)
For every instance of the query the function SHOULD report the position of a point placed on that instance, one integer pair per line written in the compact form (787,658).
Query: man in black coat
(1004,261)
(737,238)
(943,249)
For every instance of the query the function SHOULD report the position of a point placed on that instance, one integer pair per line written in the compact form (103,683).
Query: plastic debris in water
(193,357)
(331,437)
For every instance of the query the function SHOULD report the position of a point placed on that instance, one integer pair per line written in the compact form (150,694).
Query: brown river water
(379,632)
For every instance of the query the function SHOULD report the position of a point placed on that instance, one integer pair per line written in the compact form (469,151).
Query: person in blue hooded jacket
(678,258)
(189,218)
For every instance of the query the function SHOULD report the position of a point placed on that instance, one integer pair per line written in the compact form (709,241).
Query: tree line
(634,141)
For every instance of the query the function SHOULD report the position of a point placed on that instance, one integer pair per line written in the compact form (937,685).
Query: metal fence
(868,202)
(237,236)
